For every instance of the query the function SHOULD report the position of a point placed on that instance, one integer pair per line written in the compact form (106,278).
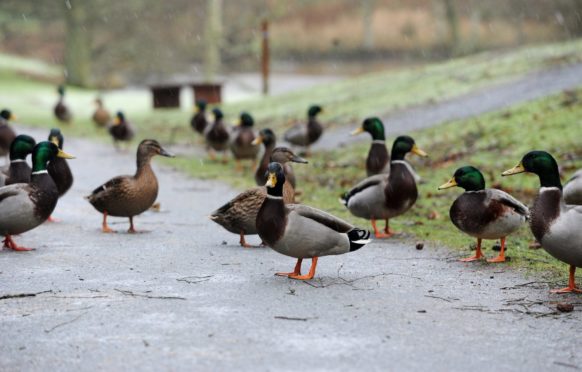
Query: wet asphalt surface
(182,295)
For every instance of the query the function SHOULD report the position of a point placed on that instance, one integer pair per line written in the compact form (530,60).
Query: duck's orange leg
(501,257)
(9,243)
(243,242)
(571,288)
(377,233)
(132,229)
(311,273)
(51,219)
(295,272)
(478,254)
(104,227)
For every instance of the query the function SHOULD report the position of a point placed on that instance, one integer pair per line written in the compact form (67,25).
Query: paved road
(530,87)
(182,295)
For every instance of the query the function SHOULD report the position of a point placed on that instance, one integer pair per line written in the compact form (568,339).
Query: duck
(121,129)
(484,213)
(554,224)
(573,189)
(24,206)
(101,116)
(266,137)
(217,137)
(306,135)
(199,121)
(385,196)
(7,134)
(61,110)
(129,196)
(378,160)
(300,231)
(59,169)
(242,144)
(238,215)
(19,170)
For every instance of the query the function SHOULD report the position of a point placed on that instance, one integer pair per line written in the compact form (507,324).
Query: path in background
(183,295)
(533,86)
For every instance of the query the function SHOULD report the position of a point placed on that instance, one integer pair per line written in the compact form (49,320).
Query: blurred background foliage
(111,43)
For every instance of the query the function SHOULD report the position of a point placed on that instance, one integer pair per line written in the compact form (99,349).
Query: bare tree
(77,48)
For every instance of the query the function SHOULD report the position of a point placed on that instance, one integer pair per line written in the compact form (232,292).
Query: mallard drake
(217,136)
(386,196)
(121,129)
(269,140)
(7,134)
(306,135)
(239,215)
(61,110)
(19,171)
(573,189)
(129,196)
(59,168)
(484,213)
(24,206)
(378,160)
(300,231)
(242,144)
(101,116)
(198,121)
(554,224)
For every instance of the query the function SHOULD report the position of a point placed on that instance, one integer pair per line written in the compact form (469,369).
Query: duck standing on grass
(19,170)
(24,206)
(378,160)
(239,215)
(242,145)
(101,116)
(269,140)
(120,129)
(308,134)
(7,134)
(300,231)
(129,196)
(556,225)
(217,137)
(386,196)
(484,213)
(61,110)
(199,121)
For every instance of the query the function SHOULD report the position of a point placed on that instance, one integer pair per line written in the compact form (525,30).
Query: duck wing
(573,189)
(321,217)
(510,201)
(363,185)
(112,184)
(297,135)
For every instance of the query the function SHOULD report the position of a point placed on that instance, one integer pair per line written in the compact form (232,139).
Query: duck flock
(29,195)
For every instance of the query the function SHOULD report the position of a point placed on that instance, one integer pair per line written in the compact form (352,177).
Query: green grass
(493,143)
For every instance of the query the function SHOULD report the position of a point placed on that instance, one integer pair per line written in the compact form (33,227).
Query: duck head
(201,105)
(61,90)
(283,155)
(56,137)
(403,145)
(217,113)
(150,147)
(541,163)
(468,178)
(44,152)
(374,126)
(265,136)
(119,118)
(21,146)
(7,115)
(246,120)
(275,179)
(314,110)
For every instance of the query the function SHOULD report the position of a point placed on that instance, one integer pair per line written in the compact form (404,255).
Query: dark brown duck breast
(400,191)
(378,159)
(61,173)
(7,135)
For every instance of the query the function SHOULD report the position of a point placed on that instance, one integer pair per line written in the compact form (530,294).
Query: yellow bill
(449,184)
(357,131)
(515,170)
(64,155)
(271,180)
(418,151)
(257,141)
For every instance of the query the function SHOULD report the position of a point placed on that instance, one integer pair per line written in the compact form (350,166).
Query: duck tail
(358,238)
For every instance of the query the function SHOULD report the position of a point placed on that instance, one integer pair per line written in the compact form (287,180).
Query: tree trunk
(367,23)
(212,39)
(77,53)
(453,22)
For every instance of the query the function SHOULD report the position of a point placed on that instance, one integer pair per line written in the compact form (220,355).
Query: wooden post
(265,57)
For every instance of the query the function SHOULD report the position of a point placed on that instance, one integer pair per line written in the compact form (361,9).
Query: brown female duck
(239,214)
(61,110)
(101,116)
(7,134)
(129,196)
(306,135)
